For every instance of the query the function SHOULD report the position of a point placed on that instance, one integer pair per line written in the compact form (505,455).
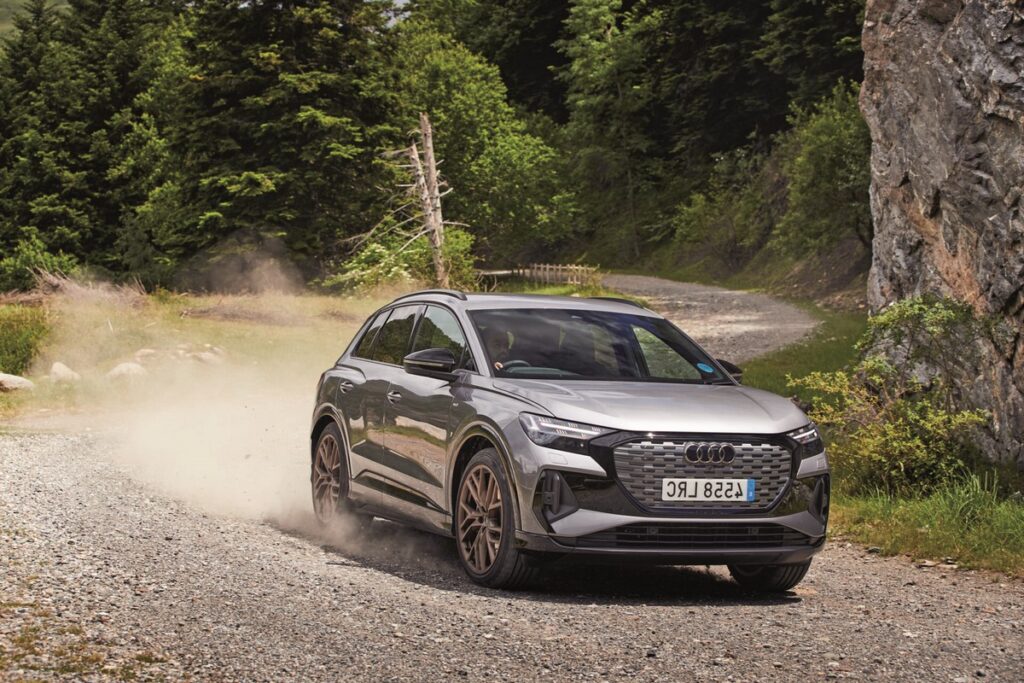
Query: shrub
(17,271)
(22,330)
(827,165)
(391,259)
(892,419)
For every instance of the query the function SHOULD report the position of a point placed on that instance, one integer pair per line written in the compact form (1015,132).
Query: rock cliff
(944,98)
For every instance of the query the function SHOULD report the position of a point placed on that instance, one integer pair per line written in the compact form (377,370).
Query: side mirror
(734,370)
(439,363)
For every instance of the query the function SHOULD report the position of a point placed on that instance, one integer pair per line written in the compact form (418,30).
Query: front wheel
(485,526)
(769,578)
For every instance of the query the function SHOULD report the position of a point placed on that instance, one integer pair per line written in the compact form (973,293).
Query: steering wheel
(514,364)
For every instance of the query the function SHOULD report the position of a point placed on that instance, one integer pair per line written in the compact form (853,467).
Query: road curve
(733,325)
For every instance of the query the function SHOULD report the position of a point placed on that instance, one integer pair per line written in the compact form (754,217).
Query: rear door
(418,425)
(384,366)
(361,400)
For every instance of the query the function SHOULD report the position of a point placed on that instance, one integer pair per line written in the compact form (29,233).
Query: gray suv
(532,427)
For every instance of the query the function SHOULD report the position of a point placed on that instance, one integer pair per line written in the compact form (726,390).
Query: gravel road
(733,325)
(142,583)
(172,546)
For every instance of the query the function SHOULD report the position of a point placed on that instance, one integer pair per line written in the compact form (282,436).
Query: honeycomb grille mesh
(641,465)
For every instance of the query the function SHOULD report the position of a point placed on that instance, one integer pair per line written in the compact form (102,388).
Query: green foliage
(17,270)
(507,184)
(517,36)
(279,121)
(735,215)
(392,259)
(22,330)
(611,103)
(827,165)
(812,44)
(892,423)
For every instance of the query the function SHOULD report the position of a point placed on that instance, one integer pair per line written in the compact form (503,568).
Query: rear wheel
(329,480)
(773,578)
(485,526)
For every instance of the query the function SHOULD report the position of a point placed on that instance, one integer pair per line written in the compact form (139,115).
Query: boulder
(62,374)
(943,95)
(10,383)
(127,371)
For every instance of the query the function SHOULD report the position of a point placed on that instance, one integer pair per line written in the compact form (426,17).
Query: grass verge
(829,348)
(966,521)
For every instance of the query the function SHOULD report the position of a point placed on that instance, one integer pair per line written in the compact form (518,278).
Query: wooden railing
(550,274)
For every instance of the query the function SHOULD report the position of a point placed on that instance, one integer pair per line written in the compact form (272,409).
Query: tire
(769,578)
(329,481)
(503,565)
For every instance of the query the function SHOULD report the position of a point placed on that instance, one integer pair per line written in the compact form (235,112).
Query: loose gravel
(733,325)
(147,587)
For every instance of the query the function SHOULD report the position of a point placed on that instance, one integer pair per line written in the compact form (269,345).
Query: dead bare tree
(429,191)
(419,212)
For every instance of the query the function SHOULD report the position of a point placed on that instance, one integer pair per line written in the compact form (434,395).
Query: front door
(416,438)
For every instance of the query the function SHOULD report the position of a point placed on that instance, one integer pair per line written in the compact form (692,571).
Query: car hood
(658,407)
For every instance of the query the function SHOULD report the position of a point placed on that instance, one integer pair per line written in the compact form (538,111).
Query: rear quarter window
(365,346)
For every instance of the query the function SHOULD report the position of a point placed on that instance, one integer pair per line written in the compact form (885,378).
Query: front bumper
(603,519)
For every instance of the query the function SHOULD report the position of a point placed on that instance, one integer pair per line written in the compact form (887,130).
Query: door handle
(345,386)
(394,396)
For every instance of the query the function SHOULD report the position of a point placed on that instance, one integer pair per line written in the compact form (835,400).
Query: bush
(735,215)
(17,271)
(390,259)
(22,330)
(828,168)
(892,419)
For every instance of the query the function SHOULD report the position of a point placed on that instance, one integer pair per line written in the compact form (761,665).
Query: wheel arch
(471,441)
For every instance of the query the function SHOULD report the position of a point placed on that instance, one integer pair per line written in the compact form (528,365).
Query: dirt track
(105,575)
(730,324)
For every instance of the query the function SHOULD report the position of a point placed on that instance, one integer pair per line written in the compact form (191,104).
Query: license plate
(708,489)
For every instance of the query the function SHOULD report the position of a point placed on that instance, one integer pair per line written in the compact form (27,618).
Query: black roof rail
(618,300)
(461,296)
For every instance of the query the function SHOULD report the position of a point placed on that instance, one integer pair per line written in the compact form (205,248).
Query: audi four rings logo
(709,452)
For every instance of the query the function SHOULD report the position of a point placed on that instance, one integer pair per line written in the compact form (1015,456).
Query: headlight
(560,434)
(808,440)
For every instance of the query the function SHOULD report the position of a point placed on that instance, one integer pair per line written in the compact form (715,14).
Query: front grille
(690,536)
(641,465)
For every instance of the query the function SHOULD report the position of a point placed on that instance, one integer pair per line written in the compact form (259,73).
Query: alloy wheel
(480,518)
(327,479)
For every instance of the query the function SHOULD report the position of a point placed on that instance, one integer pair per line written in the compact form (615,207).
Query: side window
(440,330)
(663,362)
(393,339)
(365,346)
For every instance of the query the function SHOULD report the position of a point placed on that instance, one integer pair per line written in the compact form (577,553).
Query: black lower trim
(683,536)
(548,546)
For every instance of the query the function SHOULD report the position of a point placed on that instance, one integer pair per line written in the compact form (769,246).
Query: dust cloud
(215,406)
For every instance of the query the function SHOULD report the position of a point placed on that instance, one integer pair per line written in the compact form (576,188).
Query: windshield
(547,343)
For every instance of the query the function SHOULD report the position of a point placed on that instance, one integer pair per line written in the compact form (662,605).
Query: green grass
(967,521)
(22,331)
(830,347)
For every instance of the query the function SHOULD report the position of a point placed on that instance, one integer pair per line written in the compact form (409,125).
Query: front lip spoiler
(540,543)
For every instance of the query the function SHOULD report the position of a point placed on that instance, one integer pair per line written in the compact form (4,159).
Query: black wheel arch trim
(481,428)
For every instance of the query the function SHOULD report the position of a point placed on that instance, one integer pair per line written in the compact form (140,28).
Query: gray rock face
(944,98)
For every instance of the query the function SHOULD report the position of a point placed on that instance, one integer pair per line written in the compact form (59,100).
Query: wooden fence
(549,274)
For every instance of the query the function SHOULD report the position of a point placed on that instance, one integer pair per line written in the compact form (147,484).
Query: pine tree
(281,121)
(37,189)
